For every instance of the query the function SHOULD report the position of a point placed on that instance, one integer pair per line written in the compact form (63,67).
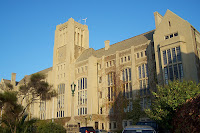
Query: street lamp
(73,86)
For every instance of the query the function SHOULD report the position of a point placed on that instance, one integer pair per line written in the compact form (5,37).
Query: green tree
(14,114)
(168,98)
(136,112)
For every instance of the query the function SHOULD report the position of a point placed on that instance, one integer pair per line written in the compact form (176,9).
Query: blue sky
(27,26)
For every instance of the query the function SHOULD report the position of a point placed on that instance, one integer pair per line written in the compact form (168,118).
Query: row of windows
(173,72)
(61,89)
(125,59)
(126,74)
(82,69)
(172,55)
(60,114)
(172,66)
(82,111)
(61,75)
(141,54)
(78,38)
(60,67)
(112,125)
(82,83)
(110,63)
(171,35)
(82,97)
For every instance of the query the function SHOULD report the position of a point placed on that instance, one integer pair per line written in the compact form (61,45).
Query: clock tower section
(71,39)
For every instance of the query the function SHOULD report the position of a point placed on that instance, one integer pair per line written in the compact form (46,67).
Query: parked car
(101,131)
(149,123)
(138,129)
(86,130)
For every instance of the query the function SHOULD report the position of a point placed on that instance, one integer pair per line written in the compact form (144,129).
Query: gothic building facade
(133,67)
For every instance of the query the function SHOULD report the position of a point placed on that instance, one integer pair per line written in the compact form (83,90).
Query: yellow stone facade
(135,65)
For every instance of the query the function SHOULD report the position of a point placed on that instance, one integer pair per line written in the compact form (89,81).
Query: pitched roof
(125,44)
(27,78)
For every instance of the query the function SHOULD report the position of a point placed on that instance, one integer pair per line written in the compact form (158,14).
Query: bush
(50,127)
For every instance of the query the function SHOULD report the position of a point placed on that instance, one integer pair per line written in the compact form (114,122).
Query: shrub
(50,127)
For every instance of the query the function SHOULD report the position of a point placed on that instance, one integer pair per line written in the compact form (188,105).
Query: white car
(138,129)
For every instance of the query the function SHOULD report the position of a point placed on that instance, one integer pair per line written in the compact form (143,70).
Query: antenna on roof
(84,20)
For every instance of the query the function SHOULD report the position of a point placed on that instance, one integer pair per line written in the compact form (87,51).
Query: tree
(168,98)
(136,112)
(35,90)
(187,117)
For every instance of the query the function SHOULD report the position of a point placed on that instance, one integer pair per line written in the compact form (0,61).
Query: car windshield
(138,131)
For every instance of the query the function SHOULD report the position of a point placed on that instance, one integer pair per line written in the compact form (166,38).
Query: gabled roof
(27,78)
(125,44)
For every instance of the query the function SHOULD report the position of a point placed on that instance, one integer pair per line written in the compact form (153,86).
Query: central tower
(71,39)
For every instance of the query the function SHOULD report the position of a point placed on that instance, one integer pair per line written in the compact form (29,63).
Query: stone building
(133,66)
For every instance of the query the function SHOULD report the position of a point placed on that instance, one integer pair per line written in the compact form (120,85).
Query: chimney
(107,44)
(13,79)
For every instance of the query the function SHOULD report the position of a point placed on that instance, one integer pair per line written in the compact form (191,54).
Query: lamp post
(73,87)
(71,125)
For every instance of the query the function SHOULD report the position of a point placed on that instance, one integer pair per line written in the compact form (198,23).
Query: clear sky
(27,26)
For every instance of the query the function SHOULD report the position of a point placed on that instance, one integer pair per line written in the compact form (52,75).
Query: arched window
(82,96)
(127,85)
(111,85)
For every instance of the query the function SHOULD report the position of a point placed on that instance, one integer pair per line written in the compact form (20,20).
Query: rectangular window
(175,72)
(178,53)
(170,73)
(83,83)
(173,55)
(130,86)
(164,58)
(129,74)
(169,56)
(138,55)
(139,71)
(143,71)
(108,93)
(123,75)
(166,75)
(180,71)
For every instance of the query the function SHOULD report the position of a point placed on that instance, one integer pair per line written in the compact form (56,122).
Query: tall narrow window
(82,96)
(111,85)
(60,100)
(126,73)
(143,79)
